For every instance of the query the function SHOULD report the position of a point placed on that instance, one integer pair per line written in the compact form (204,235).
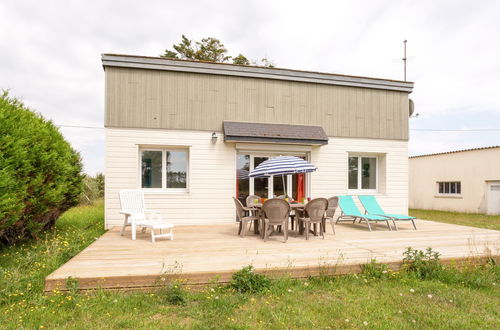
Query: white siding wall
(331,177)
(212,173)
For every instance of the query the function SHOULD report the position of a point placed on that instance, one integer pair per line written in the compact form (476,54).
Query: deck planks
(200,253)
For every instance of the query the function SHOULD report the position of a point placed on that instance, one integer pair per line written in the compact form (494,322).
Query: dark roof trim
(160,63)
(455,151)
(274,133)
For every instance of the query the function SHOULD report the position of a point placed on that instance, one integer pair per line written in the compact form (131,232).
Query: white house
(186,132)
(462,181)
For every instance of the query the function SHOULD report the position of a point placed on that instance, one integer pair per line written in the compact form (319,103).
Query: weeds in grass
(173,294)
(246,280)
(424,264)
(374,270)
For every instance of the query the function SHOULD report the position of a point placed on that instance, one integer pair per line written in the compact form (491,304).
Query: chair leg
(333,226)
(285,233)
(369,227)
(308,229)
(244,225)
(133,231)
(152,235)
(125,222)
(239,228)
(395,226)
(413,222)
(388,225)
(171,234)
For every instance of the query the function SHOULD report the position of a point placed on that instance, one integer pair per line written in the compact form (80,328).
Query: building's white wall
(213,167)
(211,175)
(331,177)
(472,168)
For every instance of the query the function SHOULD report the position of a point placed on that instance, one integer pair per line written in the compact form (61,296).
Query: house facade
(461,181)
(188,133)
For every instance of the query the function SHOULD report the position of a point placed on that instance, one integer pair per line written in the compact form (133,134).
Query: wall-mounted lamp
(214,137)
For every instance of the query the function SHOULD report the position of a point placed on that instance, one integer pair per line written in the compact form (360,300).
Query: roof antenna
(404,58)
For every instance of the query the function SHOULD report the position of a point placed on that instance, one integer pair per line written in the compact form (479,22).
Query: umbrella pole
(284,188)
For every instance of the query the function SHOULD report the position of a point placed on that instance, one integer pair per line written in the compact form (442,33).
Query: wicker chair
(251,200)
(243,219)
(314,214)
(275,212)
(333,203)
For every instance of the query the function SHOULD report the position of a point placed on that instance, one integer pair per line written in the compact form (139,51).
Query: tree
(40,173)
(210,50)
(241,60)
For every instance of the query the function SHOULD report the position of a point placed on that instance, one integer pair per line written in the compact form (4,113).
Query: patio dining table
(258,207)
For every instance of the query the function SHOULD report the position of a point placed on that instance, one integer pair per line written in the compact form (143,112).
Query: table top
(292,205)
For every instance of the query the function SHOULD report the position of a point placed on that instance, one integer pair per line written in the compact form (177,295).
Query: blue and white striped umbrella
(282,165)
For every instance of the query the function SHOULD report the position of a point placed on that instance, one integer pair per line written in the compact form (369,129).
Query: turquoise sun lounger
(351,211)
(373,207)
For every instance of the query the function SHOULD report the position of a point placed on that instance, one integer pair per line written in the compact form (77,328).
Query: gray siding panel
(140,98)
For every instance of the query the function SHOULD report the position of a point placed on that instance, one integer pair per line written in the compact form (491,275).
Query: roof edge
(454,151)
(160,63)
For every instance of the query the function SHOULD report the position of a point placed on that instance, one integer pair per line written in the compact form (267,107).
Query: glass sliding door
(290,185)
(260,185)
(242,179)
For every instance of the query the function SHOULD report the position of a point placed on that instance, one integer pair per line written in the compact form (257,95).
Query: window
(164,168)
(362,173)
(450,188)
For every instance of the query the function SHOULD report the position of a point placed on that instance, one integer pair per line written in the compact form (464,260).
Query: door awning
(274,133)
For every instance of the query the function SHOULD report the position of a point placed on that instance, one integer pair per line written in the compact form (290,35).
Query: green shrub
(173,294)
(92,188)
(374,270)
(246,280)
(40,174)
(424,264)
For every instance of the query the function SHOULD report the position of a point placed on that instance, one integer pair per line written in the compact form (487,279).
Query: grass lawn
(466,219)
(376,299)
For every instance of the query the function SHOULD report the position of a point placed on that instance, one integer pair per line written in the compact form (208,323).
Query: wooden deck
(200,254)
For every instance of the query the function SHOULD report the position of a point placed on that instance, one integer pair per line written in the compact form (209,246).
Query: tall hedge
(40,174)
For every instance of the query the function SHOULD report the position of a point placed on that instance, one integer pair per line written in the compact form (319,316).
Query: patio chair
(251,200)
(351,211)
(315,212)
(136,215)
(275,212)
(243,219)
(333,203)
(373,207)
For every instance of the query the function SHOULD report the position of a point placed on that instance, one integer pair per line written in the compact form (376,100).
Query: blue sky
(51,50)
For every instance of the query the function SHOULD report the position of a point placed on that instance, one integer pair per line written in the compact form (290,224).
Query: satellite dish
(411,107)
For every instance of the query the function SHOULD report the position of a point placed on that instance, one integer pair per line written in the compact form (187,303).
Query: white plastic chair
(136,215)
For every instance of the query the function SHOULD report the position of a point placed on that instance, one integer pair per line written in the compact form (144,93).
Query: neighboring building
(462,181)
(187,133)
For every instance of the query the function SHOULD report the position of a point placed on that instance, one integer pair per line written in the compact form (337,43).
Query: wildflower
(306,283)
(400,294)
(384,272)
(414,321)
(115,301)
(289,290)
(400,312)
(347,320)
(451,300)
(412,290)
(216,297)
(429,296)
(212,289)
(365,323)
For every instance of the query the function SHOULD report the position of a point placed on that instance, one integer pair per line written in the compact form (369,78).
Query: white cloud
(51,52)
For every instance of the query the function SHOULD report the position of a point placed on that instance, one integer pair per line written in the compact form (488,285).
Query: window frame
(450,194)
(360,190)
(164,150)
